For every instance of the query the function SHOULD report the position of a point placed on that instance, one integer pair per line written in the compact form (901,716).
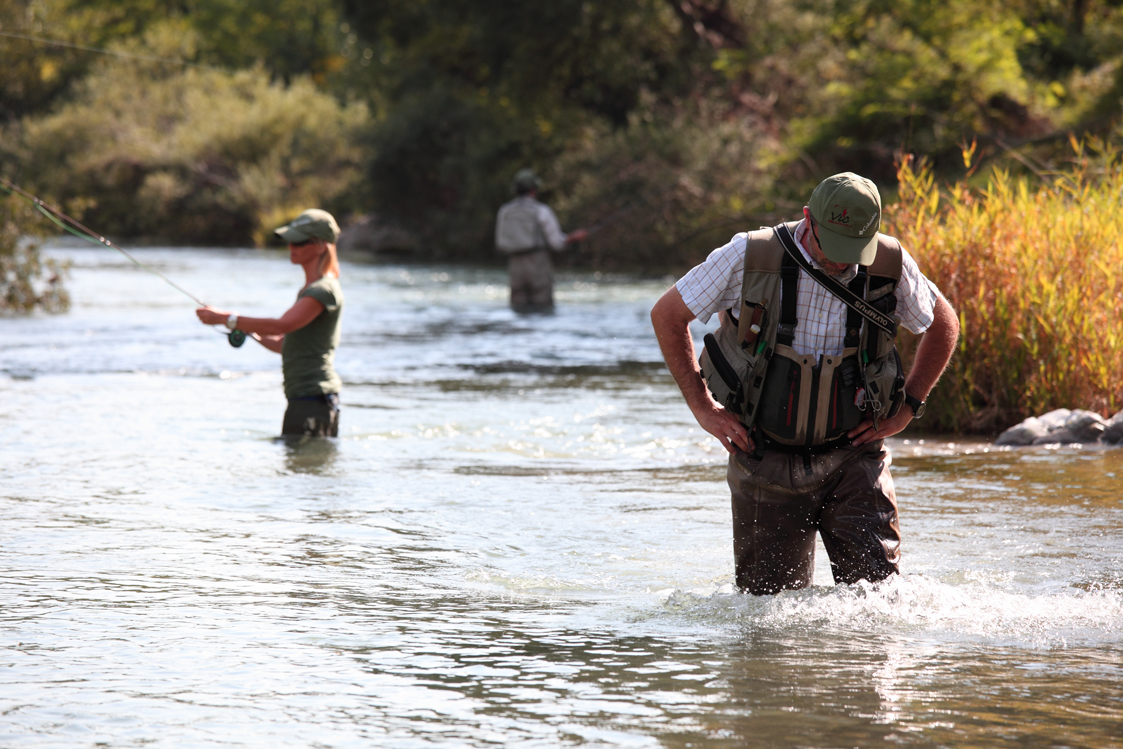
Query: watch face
(917,406)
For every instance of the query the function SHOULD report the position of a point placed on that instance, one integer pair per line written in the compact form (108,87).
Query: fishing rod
(72,226)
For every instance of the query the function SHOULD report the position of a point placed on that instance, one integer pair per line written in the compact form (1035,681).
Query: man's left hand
(866,432)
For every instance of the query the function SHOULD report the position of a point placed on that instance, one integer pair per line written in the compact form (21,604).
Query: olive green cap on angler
(847,212)
(525,181)
(312,224)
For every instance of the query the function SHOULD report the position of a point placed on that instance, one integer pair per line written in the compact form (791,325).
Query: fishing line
(111,53)
(72,226)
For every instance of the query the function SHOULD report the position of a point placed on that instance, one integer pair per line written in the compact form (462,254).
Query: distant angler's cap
(526,180)
(312,224)
(847,209)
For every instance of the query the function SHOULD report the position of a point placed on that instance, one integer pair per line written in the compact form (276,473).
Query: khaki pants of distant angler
(781,500)
(531,276)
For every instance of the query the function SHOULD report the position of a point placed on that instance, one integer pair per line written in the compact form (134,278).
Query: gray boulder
(1076,427)
(1063,426)
(1055,419)
(1024,433)
(1086,426)
(1057,436)
(1113,429)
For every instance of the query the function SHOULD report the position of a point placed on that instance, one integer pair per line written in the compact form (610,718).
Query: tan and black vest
(804,400)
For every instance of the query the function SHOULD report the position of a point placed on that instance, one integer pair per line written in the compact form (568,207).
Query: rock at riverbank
(1064,427)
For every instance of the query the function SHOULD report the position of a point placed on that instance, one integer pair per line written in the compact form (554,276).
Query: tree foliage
(473,90)
(664,123)
(195,155)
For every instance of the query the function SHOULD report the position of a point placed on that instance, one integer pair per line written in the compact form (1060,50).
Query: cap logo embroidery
(868,223)
(839,218)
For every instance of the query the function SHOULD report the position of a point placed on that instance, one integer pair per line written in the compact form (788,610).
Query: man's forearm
(671,319)
(673,333)
(934,351)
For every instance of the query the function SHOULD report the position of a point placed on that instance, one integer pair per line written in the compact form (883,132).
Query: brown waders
(531,276)
(781,499)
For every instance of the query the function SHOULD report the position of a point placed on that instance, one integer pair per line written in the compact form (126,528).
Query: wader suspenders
(789,285)
(857,286)
(886,304)
(856,301)
(789,288)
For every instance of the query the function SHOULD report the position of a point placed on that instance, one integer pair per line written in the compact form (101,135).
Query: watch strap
(916,405)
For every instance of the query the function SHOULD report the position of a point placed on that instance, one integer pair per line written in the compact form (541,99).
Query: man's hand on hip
(866,432)
(671,319)
(728,429)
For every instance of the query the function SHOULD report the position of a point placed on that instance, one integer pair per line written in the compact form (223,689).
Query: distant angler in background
(526,231)
(307,335)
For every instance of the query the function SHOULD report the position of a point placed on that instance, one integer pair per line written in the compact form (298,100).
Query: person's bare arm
(933,352)
(268,331)
(271,342)
(671,319)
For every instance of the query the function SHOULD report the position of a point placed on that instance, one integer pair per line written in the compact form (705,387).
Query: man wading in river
(526,230)
(802,383)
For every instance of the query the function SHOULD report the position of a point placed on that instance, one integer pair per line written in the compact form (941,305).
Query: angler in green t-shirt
(307,334)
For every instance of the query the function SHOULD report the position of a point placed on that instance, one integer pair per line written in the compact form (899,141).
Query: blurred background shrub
(1034,267)
(664,125)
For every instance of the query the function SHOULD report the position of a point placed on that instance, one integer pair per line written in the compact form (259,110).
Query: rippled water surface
(520,538)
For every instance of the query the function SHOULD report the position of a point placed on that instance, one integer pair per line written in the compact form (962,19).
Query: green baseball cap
(847,210)
(312,224)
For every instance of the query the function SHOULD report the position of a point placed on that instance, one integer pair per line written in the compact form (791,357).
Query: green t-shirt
(307,354)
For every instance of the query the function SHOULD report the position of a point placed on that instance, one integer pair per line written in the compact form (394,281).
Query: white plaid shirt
(715,286)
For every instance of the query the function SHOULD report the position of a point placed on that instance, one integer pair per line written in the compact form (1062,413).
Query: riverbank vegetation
(663,125)
(1033,264)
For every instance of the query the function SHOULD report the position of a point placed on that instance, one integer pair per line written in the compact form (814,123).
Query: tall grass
(1034,268)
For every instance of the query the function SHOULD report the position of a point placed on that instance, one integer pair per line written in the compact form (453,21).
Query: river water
(520,538)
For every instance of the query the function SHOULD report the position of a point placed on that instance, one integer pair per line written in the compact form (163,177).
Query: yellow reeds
(1034,268)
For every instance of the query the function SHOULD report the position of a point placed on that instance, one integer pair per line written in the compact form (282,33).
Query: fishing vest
(517,229)
(801,400)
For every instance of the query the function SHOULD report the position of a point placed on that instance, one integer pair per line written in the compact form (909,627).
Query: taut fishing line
(72,226)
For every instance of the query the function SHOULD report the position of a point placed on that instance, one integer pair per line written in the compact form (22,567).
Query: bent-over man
(526,231)
(801,383)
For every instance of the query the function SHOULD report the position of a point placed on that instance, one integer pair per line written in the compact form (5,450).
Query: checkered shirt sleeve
(715,285)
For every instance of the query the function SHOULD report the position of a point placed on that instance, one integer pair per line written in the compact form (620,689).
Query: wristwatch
(232,322)
(916,405)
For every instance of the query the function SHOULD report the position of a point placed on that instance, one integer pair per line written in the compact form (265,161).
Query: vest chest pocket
(726,367)
(784,402)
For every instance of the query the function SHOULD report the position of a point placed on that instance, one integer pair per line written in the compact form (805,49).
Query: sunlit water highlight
(519,539)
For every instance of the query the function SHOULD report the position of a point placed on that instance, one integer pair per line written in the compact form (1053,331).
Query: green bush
(149,150)
(661,194)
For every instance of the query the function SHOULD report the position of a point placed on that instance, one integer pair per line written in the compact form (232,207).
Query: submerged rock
(1113,430)
(1024,433)
(1064,426)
